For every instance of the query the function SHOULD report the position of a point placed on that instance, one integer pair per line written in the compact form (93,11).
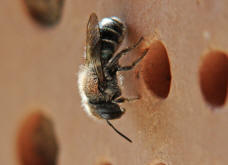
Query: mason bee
(98,80)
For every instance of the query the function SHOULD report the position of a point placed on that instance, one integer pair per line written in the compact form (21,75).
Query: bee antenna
(125,137)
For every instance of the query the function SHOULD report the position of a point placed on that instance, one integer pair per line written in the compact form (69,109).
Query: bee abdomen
(112,32)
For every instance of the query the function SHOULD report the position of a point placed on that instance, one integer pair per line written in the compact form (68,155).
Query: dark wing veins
(93,48)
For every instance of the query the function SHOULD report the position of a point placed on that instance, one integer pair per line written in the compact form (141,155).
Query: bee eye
(109,111)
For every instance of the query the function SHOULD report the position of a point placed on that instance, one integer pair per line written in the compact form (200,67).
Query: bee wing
(93,47)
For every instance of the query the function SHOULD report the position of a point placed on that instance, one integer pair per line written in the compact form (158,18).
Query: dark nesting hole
(158,162)
(37,144)
(46,12)
(105,163)
(214,77)
(156,70)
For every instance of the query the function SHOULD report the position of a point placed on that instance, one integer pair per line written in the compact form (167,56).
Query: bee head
(109,110)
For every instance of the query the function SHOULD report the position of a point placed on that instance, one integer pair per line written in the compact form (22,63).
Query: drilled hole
(105,163)
(37,144)
(214,78)
(158,162)
(46,12)
(156,70)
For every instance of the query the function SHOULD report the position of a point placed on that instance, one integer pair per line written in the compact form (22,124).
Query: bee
(97,78)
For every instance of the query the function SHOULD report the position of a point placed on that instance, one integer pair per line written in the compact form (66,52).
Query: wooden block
(182,115)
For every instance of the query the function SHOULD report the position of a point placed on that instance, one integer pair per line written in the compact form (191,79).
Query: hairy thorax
(91,87)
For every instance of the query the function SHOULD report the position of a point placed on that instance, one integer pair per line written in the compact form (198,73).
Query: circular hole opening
(37,144)
(156,162)
(156,70)
(45,12)
(103,162)
(214,78)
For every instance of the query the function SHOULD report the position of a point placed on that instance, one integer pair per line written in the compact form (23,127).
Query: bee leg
(123,99)
(123,52)
(126,68)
